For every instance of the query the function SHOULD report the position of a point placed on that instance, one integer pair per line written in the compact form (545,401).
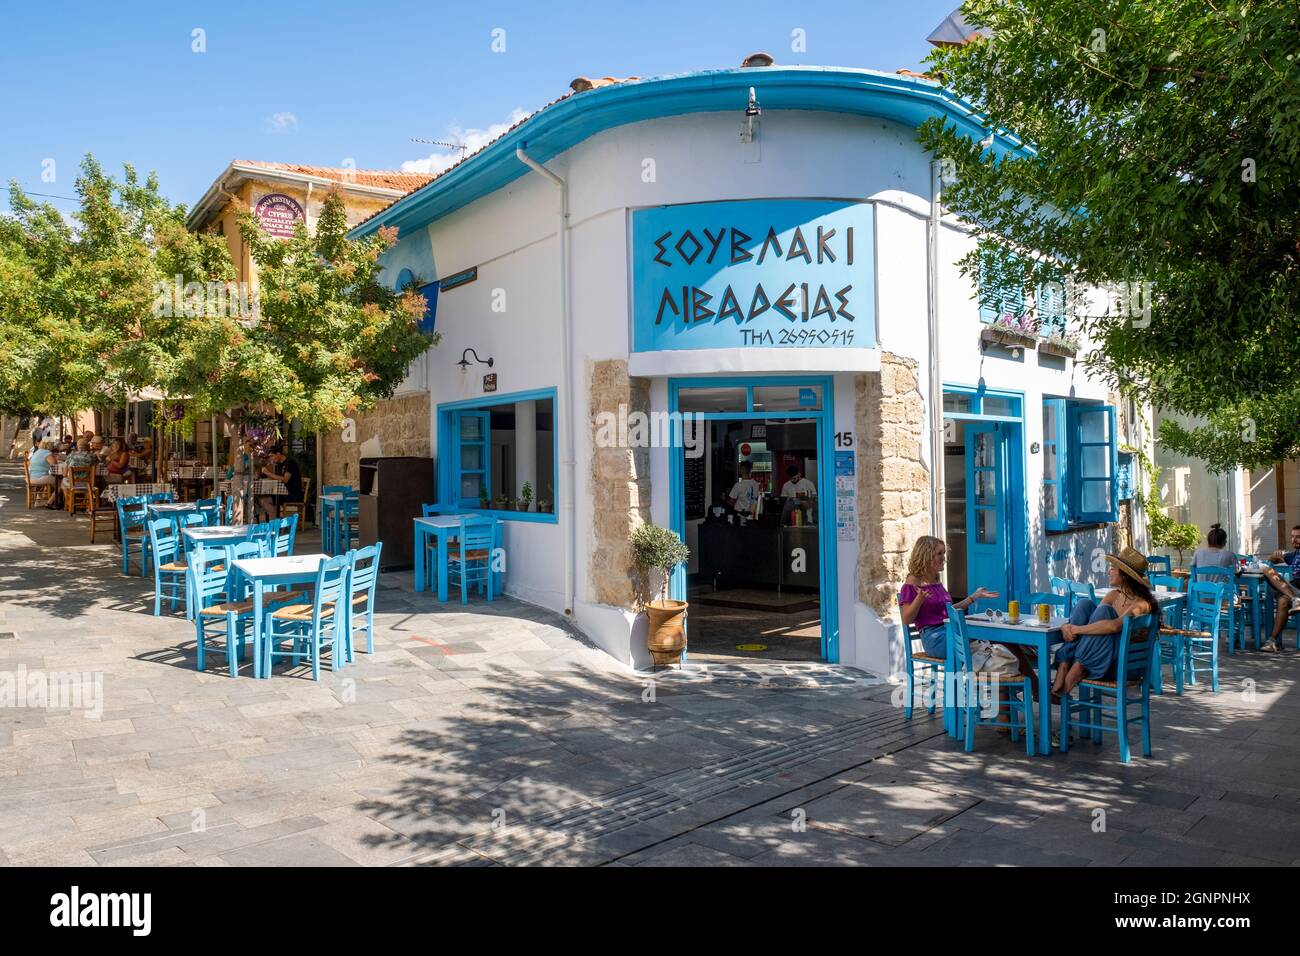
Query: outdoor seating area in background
(1200,607)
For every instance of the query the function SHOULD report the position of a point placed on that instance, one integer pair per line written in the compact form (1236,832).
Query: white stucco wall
(511,237)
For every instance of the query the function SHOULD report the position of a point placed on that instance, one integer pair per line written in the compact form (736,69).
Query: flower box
(1008,338)
(1057,347)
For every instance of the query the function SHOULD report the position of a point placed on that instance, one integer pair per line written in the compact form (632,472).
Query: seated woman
(1215,554)
(118,461)
(81,458)
(924,599)
(1092,636)
(38,467)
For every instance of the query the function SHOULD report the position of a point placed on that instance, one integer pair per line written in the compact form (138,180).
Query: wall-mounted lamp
(464,362)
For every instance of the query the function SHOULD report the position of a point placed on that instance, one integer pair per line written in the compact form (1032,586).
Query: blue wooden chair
(168,564)
(1062,587)
(308,625)
(1079,590)
(330,529)
(161,497)
(349,516)
(1166,581)
(1089,704)
(470,563)
(1159,562)
(363,581)
(221,600)
(970,711)
(210,510)
(1204,601)
(228,510)
(132,522)
(1233,610)
(286,531)
(264,535)
(933,668)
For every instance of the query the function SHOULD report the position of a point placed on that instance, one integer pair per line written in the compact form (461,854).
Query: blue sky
(326,82)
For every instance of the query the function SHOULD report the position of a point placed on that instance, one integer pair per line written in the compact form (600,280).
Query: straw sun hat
(1131,562)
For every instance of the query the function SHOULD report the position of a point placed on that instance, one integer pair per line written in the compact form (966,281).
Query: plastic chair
(1092,701)
(306,625)
(168,567)
(934,670)
(1020,709)
(363,580)
(471,562)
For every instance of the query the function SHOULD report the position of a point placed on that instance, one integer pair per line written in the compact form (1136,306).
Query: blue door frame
(827,538)
(1008,470)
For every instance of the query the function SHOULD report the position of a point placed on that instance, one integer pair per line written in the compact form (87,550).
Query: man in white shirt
(743,496)
(798,486)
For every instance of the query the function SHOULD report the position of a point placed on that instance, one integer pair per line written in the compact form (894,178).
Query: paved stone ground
(490,735)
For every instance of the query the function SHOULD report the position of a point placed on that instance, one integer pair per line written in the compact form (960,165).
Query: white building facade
(753,246)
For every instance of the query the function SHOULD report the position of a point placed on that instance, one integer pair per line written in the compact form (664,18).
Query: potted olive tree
(655,548)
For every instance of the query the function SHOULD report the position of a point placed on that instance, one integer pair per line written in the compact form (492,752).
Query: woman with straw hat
(1092,635)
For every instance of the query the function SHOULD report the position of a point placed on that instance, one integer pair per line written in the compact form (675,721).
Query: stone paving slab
(493,734)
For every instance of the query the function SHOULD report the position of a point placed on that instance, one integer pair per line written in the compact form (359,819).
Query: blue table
(1260,595)
(444,528)
(1027,635)
(263,573)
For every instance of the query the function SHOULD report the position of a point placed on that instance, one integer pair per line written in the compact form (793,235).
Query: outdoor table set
(477,538)
(113,492)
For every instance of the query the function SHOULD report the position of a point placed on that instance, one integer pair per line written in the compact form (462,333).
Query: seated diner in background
(118,460)
(280,467)
(1215,553)
(1091,638)
(38,467)
(1288,596)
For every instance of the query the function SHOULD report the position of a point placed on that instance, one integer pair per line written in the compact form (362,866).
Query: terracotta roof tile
(383,178)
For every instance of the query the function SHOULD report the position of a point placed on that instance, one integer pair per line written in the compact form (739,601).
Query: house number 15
(844,439)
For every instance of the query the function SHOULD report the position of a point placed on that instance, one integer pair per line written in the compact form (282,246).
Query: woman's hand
(1068,632)
(980,594)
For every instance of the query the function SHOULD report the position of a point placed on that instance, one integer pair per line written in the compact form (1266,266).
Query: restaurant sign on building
(769,274)
(278,214)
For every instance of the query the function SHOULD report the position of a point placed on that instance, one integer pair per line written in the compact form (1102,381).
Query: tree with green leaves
(1162,160)
(121,297)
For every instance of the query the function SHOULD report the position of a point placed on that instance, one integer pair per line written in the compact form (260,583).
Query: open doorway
(750,500)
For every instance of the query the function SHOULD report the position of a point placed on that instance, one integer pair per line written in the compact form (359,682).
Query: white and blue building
(761,243)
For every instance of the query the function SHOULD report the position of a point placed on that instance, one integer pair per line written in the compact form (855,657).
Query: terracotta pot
(666,637)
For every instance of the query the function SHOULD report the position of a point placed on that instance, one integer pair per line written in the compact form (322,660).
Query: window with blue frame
(1001,296)
(489,450)
(1080,464)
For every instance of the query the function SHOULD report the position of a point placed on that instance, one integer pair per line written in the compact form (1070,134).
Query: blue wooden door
(986,510)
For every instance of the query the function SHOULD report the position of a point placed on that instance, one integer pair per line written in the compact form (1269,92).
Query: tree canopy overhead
(1165,158)
(121,297)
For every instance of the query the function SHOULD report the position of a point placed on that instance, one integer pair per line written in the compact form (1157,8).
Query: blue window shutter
(1004,297)
(1054,477)
(1124,477)
(1094,461)
(471,448)
(1050,297)
(430,293)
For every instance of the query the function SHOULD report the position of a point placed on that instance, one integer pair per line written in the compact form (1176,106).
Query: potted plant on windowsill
(505,504)
(543,506)
(1011,331)
(483,501)
(655,548)
(526,497)
(1060,343)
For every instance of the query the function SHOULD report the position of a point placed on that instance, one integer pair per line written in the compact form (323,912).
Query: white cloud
(473,139)
(283,122)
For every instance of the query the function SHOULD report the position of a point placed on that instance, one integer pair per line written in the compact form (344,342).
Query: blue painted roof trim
(565,123)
